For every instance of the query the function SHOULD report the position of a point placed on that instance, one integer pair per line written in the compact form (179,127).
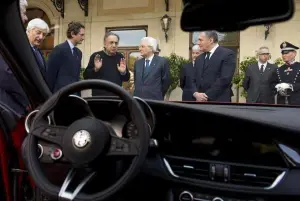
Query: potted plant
(175,63)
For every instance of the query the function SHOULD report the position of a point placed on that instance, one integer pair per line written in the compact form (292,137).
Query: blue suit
(153,83)
(63,67)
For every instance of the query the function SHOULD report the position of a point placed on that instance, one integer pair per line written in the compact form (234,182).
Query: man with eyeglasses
(108,64)
(257,81)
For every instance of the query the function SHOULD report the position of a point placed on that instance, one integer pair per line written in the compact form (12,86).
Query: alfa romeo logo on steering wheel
(81,138)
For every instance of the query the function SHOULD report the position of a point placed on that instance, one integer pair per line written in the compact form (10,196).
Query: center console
(220,168)
(232,150)
(186,195)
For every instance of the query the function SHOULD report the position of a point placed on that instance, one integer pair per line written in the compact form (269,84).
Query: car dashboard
(204,152)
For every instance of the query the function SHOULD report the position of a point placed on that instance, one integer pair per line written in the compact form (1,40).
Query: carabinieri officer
(289,73)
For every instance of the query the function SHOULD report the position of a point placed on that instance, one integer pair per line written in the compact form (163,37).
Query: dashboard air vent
(253,176)
(189,169)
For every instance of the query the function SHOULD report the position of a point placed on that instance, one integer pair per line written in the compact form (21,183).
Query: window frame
(128,28)
(230,44)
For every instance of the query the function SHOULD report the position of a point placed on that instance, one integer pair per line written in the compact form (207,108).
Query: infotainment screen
(235,150)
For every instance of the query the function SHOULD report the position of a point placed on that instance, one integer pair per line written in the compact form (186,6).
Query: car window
(154,59)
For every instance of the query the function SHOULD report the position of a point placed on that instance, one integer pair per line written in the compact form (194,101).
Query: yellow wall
(252,38)
(118,13)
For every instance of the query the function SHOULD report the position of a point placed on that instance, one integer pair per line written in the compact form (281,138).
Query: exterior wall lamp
(165,24)
(59,6)
(267,30)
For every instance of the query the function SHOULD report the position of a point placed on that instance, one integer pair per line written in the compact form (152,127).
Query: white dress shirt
(150,59)
(71,45)
(213,50)
(259,65)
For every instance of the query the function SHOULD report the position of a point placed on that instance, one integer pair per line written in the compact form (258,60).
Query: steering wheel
(85,141)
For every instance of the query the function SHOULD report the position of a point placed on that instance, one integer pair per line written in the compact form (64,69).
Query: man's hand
(122,66)
(201,97)
(97,63)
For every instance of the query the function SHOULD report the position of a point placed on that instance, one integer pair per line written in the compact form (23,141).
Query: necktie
(39,57)
(75,54)
(147,66)
(261,70)
(206,59)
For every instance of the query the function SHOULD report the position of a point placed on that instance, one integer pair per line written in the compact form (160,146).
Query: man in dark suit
(151,73)
(11,93)
(64,62)
(258,77)
(214,70)
(37,30)
(186,76)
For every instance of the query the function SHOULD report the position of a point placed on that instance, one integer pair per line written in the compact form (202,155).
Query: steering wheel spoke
(123,147)
(50,133)
(66,193)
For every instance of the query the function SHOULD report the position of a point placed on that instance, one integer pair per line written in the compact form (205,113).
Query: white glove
(283,87)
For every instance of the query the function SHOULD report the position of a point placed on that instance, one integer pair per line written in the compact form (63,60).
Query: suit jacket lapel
(152,67)
(71,58)
(255,69)
(69,51)
(211,59)
(43,59)
(141,69)
(267,70)
(201,63)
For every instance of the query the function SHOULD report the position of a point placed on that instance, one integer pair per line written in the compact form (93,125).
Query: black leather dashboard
(224,151)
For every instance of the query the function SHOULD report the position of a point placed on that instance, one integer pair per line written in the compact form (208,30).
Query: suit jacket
(154,84)
(63,67)
(42,64)
(258,87)
(186,81)
(215,78)
(11,92)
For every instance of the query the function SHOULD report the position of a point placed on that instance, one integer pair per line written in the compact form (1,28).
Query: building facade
(134,19)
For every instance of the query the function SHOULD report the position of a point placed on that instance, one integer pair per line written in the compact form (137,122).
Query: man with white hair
(152,77)
(37,30)
(11,93)
(186,76)
(258,78)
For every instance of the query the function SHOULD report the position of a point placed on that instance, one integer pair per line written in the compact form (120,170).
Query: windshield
(140,46)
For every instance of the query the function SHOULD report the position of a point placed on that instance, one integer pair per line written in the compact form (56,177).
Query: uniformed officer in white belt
(286,79)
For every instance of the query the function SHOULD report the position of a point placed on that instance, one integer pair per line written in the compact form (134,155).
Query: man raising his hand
(107,64)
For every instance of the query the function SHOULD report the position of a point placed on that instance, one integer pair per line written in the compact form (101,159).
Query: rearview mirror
(233,15)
